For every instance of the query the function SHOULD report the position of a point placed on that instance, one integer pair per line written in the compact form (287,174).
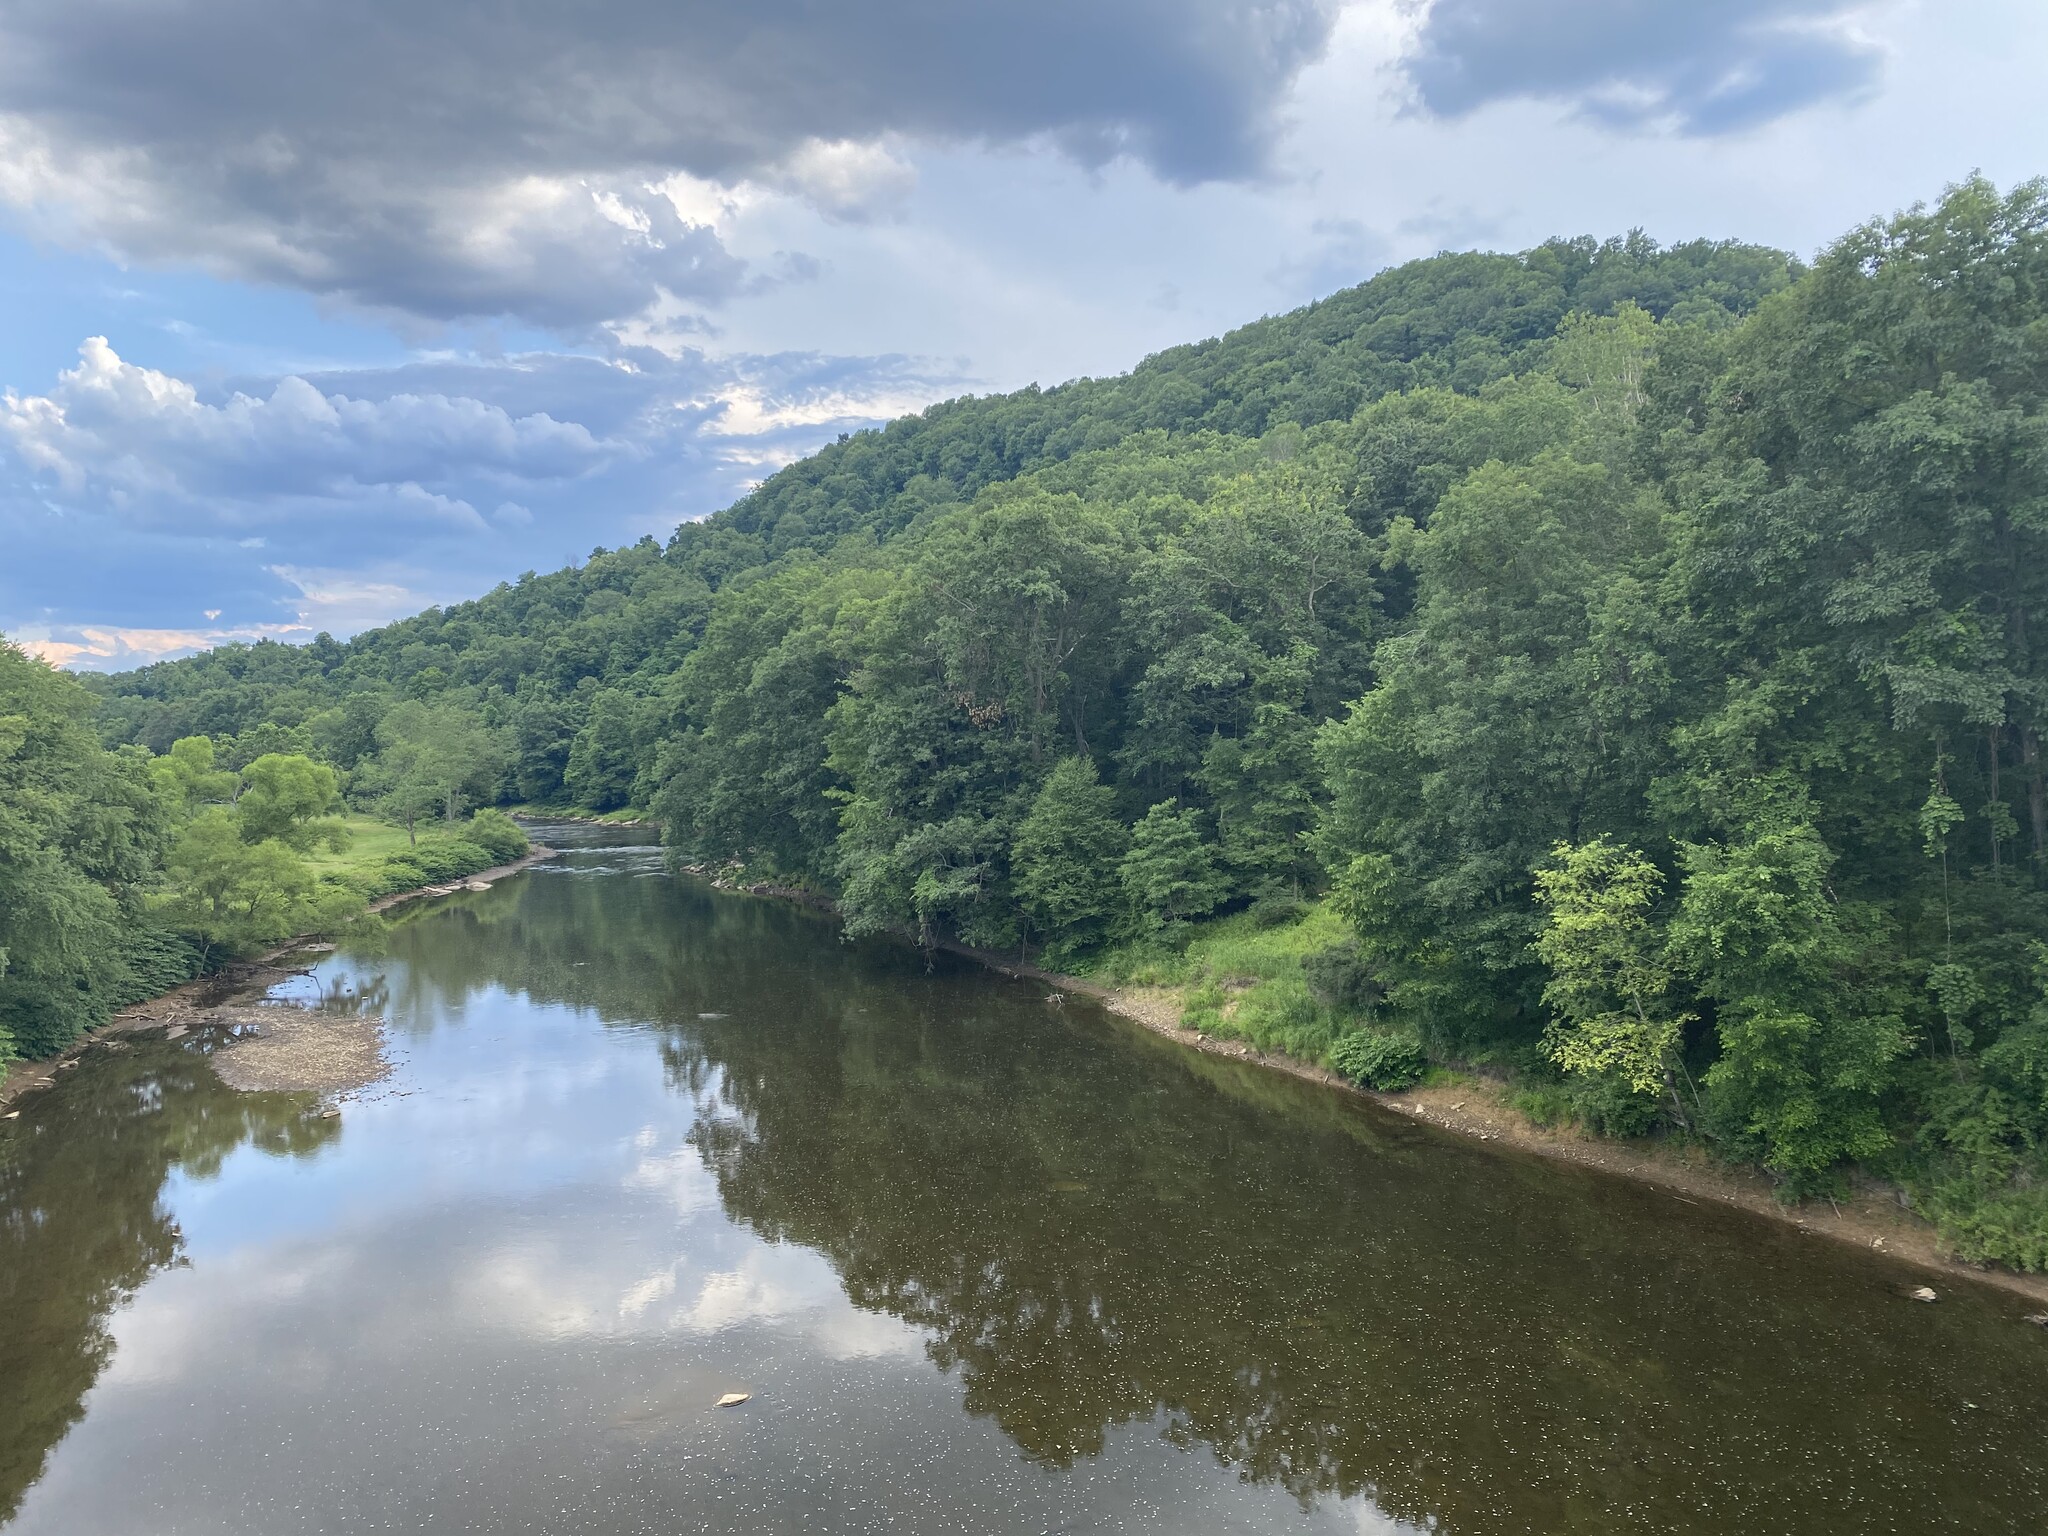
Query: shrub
(498,835)
(450,858)
(1341,980)
(1383,1061)
(2006,1225)
(1602,1105)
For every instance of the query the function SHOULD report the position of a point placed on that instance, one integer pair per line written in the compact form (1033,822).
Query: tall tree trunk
(2037,795)
(1991,740)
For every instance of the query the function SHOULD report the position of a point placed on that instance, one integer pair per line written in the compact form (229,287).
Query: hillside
(1613,667)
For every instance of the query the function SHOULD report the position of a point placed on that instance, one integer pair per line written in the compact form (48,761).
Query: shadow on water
(1098,1235)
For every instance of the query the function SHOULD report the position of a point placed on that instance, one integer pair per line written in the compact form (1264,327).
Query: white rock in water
(1922,1293)
(733,1399)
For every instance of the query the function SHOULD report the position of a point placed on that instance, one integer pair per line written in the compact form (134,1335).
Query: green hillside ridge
(1610,665)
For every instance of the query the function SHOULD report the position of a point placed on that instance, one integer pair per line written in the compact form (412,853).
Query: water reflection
(649,1144)
(82,1225)
(1099,1230)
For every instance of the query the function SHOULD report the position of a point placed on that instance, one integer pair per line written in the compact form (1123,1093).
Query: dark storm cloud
(1701,66)
(452,159)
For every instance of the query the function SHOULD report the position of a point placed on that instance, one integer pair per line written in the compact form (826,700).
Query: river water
(983,1263)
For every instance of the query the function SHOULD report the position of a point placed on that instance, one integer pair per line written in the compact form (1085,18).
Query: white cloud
(847,180)
(143,446)
(342,602)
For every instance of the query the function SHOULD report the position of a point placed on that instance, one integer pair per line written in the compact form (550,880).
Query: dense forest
(1612,666)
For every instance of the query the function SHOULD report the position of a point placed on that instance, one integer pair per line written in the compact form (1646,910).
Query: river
(982,1262)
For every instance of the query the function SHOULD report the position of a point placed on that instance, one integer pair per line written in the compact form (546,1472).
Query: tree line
(124,873)
(1635,649)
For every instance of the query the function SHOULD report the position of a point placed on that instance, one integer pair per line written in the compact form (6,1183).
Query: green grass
(370,842)
(1243,980)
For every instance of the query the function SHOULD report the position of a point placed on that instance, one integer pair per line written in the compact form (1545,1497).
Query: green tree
(290,799)
(1063,861)
(1609,981)
(432,756)
(81,835)
(231,895)
(1807,1028)
(1170,874)
(188,778)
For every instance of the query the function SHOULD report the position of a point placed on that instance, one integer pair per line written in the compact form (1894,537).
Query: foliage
(1065,856)
(1169,873)
(290,799)
(1387,1061)
(231,894)
(82,831)
(498,835)
(1609,982)
(431,757)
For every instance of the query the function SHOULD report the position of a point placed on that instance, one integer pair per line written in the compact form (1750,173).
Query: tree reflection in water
(1097,1228)
(82,1224)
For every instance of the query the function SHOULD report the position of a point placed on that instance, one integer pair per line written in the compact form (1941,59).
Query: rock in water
(1922,1293)
(733,1399)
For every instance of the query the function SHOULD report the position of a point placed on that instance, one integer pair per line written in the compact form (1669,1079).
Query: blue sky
(321,314)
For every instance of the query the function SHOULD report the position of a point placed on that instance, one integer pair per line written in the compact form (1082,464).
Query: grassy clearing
(1242,978)
(370,843)
(381,859)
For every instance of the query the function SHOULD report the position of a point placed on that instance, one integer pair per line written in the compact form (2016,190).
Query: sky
(319,315)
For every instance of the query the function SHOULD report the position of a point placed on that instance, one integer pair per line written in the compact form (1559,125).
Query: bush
(1341,980)
(1276,911)
(450,858)
(2005,1226)
(1383,1061)
(398,872)
(1602,1105)
(498,835)
(154,960)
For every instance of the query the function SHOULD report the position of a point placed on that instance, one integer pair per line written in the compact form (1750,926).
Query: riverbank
(1871,1218)
(626,818)
(183,1005)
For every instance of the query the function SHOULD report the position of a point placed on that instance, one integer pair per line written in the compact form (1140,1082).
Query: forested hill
(546,645)
(1618,668)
